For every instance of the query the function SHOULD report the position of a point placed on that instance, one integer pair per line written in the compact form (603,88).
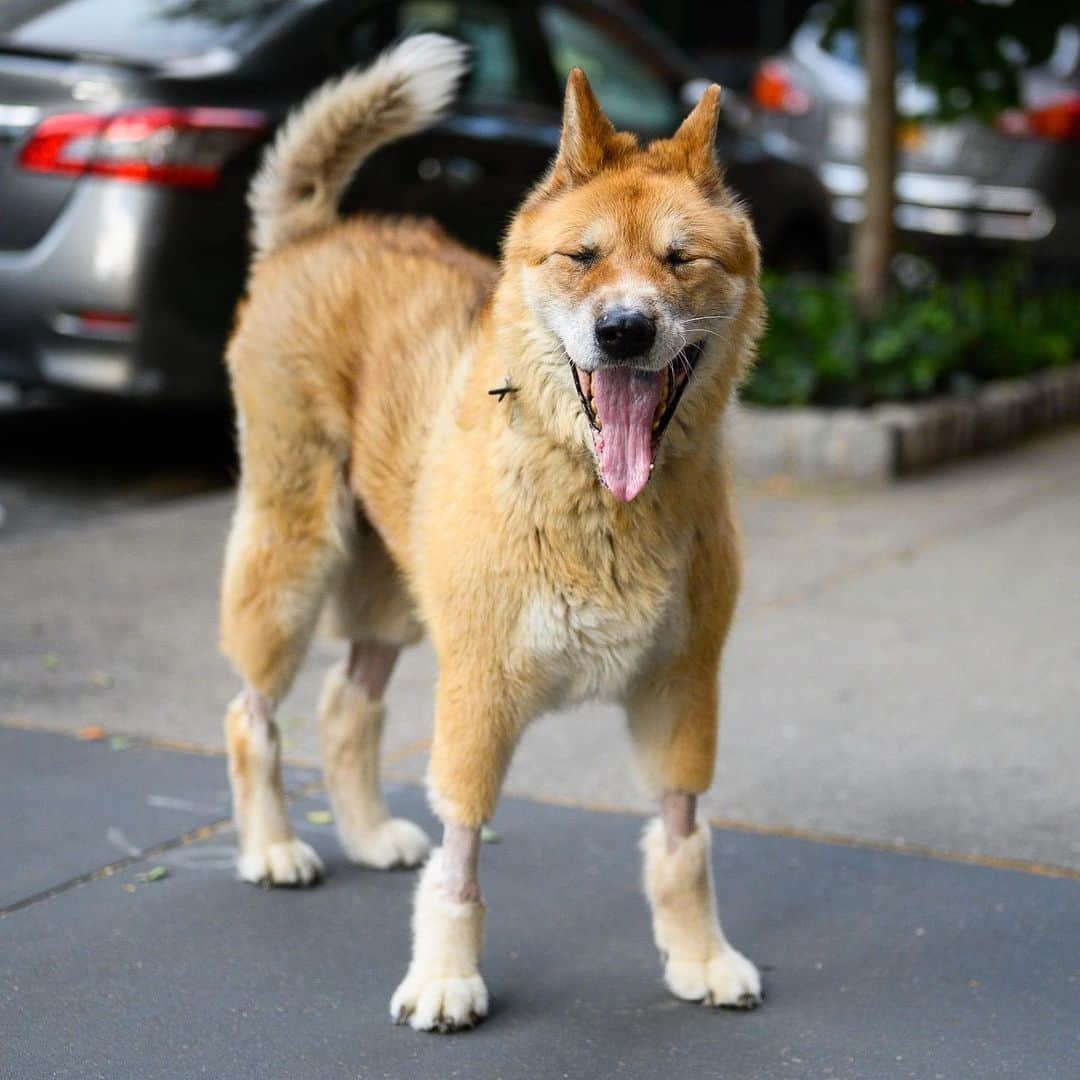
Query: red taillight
(1057,119)
(177,147)
(61,143)
(775,90)
(109,324)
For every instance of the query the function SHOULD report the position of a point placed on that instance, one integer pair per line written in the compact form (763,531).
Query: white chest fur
(581,649)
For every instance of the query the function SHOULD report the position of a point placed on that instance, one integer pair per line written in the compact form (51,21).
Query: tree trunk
(874,235)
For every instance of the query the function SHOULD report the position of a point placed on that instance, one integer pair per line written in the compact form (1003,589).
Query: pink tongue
(626,402)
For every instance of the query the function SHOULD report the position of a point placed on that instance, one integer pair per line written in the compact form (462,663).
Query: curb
(868,447)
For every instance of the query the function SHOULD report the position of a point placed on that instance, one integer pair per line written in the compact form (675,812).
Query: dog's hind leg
(286,541)
(270,852)
(369,607)
(351,715)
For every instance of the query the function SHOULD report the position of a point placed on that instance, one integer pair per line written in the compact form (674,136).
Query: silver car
(129,130)
(965,189)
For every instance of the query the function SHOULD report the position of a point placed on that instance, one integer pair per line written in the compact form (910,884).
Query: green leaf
(941,338)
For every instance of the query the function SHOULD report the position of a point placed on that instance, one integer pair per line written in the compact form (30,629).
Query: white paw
(395,842)
(439,1004)
(728,979)
(288,862)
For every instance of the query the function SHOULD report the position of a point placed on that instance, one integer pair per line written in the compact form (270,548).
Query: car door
(471,170)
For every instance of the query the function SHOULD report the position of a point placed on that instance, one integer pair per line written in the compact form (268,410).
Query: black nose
(623,333)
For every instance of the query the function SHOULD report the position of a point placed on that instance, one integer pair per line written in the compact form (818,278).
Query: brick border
(877,445)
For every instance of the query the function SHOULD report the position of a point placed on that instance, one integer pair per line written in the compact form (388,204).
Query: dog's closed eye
(584,256)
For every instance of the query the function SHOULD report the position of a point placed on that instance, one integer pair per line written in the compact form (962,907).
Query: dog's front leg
(443,989)
(699,963)
(474,737)
(673,722)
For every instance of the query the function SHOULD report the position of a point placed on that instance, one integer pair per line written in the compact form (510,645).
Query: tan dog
(574,540)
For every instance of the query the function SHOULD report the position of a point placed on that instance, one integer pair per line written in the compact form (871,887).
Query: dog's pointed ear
(587,134)
(694,144)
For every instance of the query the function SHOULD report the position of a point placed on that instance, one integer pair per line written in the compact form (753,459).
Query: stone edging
(876,445)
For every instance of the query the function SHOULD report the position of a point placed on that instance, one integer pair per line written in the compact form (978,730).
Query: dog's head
(639,273)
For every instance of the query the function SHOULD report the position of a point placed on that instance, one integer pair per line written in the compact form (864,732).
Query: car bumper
(98,259)
(947,206)
(80,368)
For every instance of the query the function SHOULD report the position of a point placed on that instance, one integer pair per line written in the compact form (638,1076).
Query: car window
(631,94)
(495,72)
(144,31)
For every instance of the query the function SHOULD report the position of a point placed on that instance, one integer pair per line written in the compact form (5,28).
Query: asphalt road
(130,951)
(65,465)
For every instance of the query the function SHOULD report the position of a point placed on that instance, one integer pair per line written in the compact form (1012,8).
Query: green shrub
(948,338)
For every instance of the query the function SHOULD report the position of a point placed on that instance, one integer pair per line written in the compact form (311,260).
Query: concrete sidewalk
(903,670)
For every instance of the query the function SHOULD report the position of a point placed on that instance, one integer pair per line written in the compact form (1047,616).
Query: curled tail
(298,186)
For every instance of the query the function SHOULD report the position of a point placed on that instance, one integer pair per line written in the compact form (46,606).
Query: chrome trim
(90,371)
(946,205)
(15,119)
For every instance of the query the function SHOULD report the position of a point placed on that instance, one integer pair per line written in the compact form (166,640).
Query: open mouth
(629,410)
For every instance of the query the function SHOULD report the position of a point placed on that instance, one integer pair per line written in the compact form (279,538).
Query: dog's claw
(443,1004)
(746,1003)
(448,1027)
(727,981)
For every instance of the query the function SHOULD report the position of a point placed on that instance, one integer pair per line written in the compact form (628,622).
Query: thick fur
(268,849)
(699,964)
(371,448)
(350,727)
(296,191)
(443,989)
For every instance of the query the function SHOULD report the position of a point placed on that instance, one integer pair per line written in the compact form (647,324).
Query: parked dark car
(967,191)
(129,131)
